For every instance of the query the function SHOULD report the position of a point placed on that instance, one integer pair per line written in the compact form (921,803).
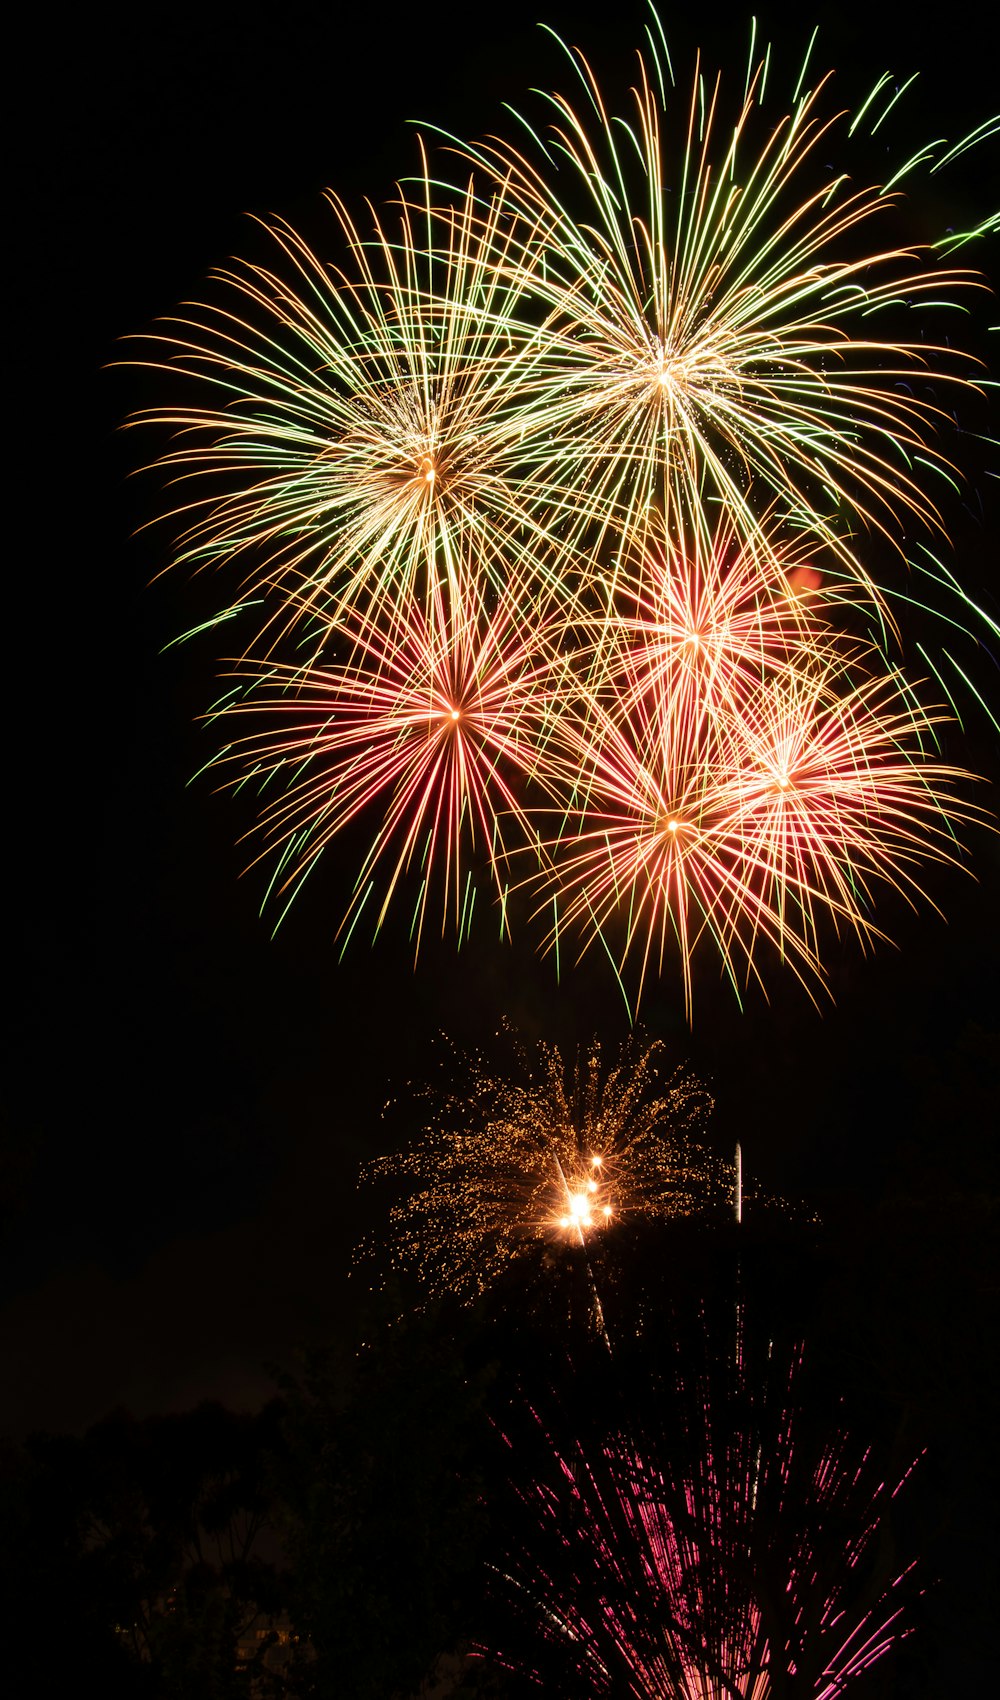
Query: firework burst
(744,809)
(699,1540)
(363,440)
(712,297)
(557,492)
(694,626)
(436,721)
(561,1156)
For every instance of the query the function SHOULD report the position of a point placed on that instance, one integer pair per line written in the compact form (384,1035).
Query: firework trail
(561,1155)
(698,1536)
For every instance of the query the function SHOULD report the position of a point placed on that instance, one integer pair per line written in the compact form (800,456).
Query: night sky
(192,1098)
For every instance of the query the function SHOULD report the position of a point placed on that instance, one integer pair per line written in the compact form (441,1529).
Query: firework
(435,722)
(713,299)
(744,809)
(722,766)
(562,1155)
(696,624)
(700,1539)
(364,436)
(559,492)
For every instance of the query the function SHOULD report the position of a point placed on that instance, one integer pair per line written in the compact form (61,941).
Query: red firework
(435,722)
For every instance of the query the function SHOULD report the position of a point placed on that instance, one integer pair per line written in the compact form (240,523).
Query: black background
(192,1098)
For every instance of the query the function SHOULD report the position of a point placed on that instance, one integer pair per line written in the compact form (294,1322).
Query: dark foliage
(137,1557)
(354,1524)
(385,1508)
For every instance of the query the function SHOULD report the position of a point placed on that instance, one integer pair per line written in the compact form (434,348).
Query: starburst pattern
(713,298)
(363,439)
(746,814)
(436,719)
(561,487)
(696,624)
(563,1153)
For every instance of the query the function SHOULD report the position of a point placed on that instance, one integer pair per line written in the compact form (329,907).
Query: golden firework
(562,1154)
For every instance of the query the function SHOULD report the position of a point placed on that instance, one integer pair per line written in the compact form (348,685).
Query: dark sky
(191,1098)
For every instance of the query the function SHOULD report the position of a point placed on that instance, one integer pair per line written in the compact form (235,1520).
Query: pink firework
(739,781)
(697,624)
(702,1538)
(837,796)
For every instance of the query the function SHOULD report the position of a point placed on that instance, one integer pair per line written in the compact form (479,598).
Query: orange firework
(561,1154)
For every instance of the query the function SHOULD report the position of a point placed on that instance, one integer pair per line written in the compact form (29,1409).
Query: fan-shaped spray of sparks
(712,298)
(707,1544)
(563,1155)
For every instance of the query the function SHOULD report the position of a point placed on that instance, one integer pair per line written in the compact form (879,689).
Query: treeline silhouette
(345,1541)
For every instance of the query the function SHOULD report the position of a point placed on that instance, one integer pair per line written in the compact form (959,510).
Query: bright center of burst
(456,714)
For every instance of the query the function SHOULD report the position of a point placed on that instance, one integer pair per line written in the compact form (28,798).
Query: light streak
(554,496)
(693,1533)
(713,298)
